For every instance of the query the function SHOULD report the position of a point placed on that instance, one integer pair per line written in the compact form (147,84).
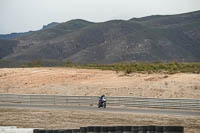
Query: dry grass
(59,119)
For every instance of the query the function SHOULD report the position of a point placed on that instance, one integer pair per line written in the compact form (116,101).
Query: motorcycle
(102,104)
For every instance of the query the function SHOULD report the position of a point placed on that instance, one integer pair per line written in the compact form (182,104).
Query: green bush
(69,63)
(171,68)
(126,67)
(34,63)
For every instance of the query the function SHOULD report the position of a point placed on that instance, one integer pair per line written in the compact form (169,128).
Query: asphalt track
(108,109)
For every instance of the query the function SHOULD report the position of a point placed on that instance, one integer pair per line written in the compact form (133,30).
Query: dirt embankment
(86,82)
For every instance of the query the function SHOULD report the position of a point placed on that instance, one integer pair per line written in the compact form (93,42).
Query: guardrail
(186,104)
(118,129)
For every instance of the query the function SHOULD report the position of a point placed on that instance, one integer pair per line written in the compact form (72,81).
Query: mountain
(152,38)
(13,35)
(17,35)
(7,47)
(51,25)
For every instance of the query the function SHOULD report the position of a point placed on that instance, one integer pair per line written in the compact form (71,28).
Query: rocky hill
(17,35)
(152,38)
(13,35)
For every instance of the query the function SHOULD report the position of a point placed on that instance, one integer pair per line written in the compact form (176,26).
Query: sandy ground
(87,82)
(61,119)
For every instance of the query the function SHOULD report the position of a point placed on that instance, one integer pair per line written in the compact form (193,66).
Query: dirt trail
(87,82)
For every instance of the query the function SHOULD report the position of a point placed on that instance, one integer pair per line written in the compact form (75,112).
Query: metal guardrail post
(90,129)
(66,101)
(142,129)
(159,129)
(83,129)
(135,129)
(173,129)
(30,99)
(180,104)
(119,129)
(112,130)
(75,131)
(120,101)
(39,131)
(151,129)
(97,129)
(127,129)
(54,99)
(104,129)
(162,105)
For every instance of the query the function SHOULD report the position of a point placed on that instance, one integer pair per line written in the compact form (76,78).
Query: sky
(26,15)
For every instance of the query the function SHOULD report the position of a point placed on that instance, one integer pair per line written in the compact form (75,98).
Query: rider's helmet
(102,96)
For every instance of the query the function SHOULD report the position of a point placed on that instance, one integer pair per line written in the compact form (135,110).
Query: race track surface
(108,109)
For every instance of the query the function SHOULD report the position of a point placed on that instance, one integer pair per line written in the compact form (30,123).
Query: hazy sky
(25,15)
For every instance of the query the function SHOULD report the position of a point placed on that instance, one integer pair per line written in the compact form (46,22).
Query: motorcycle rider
(102,100)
